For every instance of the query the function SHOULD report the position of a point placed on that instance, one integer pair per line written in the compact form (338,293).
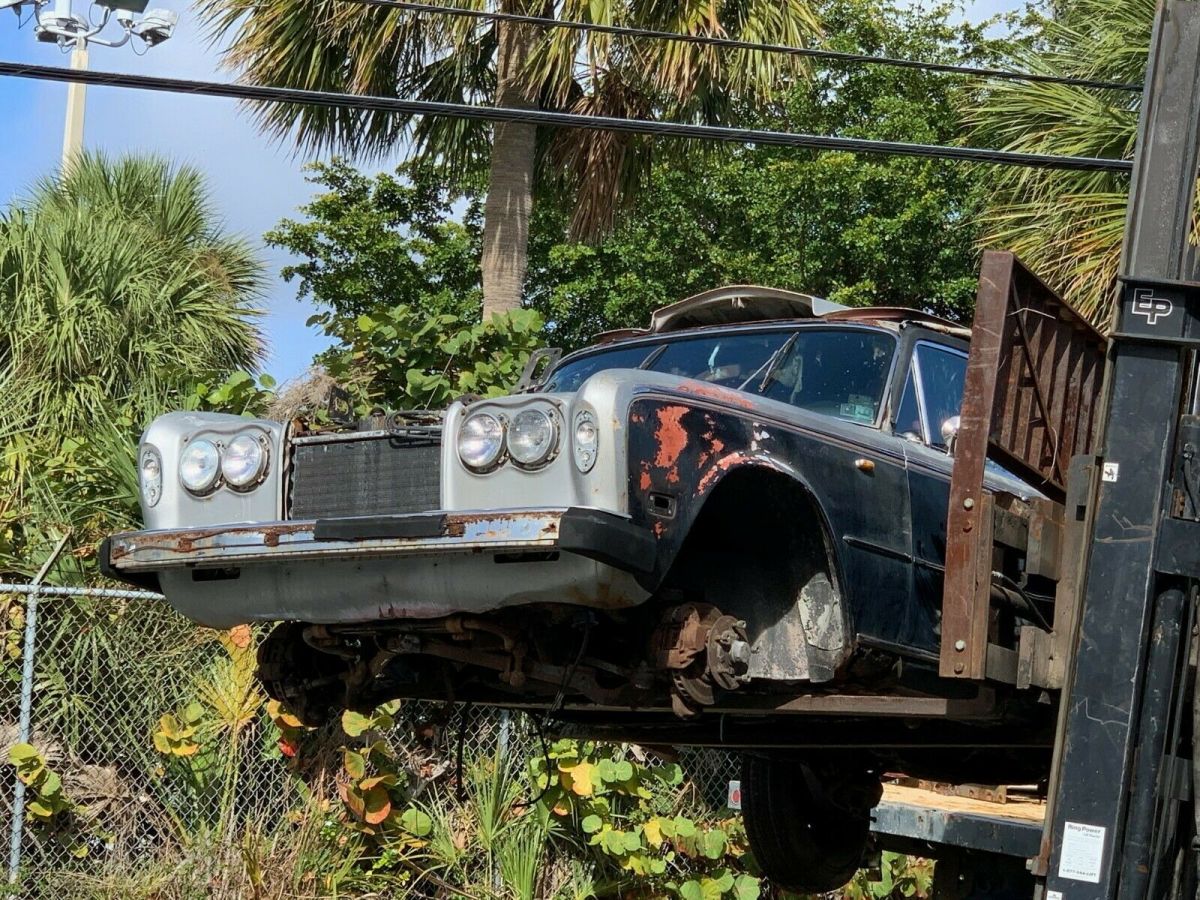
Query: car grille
(365,474)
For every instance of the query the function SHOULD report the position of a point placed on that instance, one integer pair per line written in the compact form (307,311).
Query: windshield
(835,371)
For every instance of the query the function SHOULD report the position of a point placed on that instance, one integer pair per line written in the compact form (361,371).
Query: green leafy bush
(899,876)
(402,358)
(628,812)
(52,814)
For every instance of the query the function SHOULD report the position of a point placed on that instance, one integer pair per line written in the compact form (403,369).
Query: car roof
(744,304)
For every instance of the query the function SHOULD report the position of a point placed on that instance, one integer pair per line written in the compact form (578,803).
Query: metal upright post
(76,102)
(1108,707)
(26,715)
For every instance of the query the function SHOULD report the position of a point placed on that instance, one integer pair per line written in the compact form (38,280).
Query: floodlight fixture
(121,6)
(156,26)
(14,5)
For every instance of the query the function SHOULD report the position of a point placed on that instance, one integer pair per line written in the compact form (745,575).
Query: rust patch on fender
(645,483)
(732,461)
(671,438)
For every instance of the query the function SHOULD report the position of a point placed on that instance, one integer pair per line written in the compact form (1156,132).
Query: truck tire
(802,839)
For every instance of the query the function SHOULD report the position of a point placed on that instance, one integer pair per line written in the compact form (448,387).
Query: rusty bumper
(361,569)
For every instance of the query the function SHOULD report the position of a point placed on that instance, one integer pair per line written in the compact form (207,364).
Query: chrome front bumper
(412,566)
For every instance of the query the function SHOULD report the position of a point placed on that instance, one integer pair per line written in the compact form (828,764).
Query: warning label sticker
(1082,852)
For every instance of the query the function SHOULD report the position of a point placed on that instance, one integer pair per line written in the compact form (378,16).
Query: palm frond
(1068,225)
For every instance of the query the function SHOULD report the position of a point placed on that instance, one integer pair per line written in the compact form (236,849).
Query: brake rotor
(728,653)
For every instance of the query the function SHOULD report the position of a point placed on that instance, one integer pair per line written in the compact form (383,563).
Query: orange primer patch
(671,437)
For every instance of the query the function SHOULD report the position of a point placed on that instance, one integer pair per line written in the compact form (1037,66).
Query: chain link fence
(156,767)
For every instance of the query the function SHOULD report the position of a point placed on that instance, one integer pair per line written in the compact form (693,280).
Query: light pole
(58,23)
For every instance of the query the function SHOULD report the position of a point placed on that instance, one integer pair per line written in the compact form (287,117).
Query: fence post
(23,729)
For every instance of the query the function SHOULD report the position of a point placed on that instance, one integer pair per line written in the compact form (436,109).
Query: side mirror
(950,433)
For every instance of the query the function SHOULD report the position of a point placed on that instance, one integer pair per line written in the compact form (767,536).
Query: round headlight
(244,462)
(480,441)
(150,475)
(199,466)
(531,437)
(587,441)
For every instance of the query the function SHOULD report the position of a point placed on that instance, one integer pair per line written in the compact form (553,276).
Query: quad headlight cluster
(529,438)
(239,464)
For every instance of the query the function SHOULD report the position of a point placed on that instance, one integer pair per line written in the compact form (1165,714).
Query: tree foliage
(391,52)
(396,275)
(400,357)
(367,242)
(326,45)
(1068,226)
(859,230)
(121,291)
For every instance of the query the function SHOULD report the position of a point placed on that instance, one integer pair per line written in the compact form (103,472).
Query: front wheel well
(759,549)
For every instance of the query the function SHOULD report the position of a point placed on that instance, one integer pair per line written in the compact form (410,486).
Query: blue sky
(254,183)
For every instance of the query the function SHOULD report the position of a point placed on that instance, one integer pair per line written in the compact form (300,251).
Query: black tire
(803,843)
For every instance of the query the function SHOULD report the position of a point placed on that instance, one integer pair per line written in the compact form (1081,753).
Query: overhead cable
(650,127)
(735,44)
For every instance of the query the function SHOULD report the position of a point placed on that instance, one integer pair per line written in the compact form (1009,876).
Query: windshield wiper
(768,368)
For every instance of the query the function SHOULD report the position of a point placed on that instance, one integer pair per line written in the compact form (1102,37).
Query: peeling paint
(671,438)
(715,392)
(644,482)
(732,461)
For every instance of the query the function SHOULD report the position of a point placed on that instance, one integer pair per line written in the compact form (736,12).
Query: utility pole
(76,100)
(59,24)
(1116,770)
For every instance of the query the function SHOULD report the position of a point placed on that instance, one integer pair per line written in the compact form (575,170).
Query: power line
(734,44)
(410,107)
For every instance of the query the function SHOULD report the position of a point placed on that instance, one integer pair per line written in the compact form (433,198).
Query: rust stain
(659,528)
(714,392)
(715,445)
(644,482)
(731,461)
(719,468)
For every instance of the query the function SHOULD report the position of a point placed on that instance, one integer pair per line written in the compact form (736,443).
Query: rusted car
(728,528)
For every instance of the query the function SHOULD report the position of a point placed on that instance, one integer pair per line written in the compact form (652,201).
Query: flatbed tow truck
(1077,598)
(1120,536)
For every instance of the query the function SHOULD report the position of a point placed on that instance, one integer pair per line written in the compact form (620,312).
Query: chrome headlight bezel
(201,487)
(150,475)
(546,447)
(585,451)
(495,456)
(243,482)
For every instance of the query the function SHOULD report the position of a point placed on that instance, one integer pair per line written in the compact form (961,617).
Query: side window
(942,373)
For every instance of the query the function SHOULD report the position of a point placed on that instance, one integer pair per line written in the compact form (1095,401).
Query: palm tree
(1068,226)
(334,45)
(120,292)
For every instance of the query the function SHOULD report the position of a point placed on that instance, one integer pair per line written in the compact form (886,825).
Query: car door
(932,393)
